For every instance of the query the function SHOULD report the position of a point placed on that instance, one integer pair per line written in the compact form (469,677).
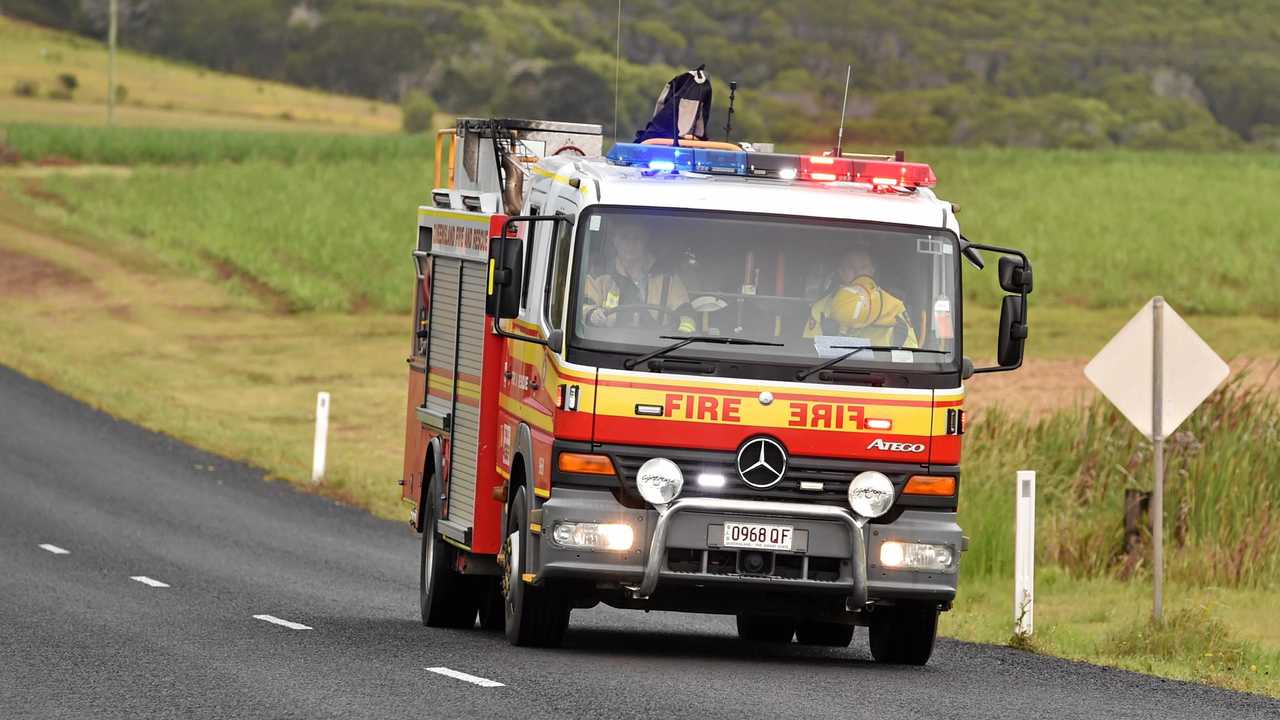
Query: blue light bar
(659,158)
(666,158)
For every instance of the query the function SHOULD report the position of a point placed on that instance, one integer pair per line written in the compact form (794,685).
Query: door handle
(507,375)
(533,382)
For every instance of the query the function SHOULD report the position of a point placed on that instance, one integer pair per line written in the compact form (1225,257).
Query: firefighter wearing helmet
(632,293)
(857,306)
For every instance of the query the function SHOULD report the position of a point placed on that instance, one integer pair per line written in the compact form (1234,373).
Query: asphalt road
(80,637)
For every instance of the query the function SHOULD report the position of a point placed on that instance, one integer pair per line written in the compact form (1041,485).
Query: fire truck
(690,376)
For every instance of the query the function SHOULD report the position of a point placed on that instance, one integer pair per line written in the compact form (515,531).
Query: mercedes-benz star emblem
(762,462)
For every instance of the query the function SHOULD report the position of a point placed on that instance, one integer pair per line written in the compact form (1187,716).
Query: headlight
(871,494)
(593,536)
(659,481)
(917,556)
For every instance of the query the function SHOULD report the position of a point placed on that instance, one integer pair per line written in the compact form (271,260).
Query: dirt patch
(57,161)
(1042,386)
(25,275)
(271,298)
(35,189)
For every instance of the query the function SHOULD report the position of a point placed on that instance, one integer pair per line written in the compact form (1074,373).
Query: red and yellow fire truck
(690,377)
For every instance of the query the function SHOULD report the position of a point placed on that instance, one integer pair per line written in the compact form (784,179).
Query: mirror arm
(970,252)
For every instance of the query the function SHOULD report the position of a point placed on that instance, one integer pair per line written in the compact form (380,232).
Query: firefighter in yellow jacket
(858,307)
(630,294)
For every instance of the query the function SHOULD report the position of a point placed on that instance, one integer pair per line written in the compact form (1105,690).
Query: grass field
(336,255)
(1098,237)
(1112,229)
(163,92)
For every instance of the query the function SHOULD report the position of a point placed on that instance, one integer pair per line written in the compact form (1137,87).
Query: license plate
(754,535)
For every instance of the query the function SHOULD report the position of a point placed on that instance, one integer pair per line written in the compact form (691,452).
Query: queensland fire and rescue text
(690,377)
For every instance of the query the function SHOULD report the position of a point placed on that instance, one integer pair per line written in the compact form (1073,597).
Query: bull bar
(658,546)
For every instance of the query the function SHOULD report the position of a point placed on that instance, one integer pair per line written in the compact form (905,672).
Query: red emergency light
(825,168)
(892,173)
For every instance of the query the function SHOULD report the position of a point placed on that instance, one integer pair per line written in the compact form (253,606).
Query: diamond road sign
(1124,370)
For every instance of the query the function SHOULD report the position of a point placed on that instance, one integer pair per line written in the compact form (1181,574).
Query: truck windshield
(812,289)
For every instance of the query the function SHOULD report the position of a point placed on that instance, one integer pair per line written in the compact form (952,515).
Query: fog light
(659,481)
(593,536)
(871,494)
(917,556)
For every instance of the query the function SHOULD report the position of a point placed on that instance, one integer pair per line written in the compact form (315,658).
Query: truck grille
(834,475)
(782,566)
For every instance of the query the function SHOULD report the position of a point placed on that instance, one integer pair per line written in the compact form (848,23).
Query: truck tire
(765,628)
(446,598)
(903,636)
(534,616)
(826,634)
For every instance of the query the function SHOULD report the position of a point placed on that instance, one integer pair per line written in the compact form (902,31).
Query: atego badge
(880,444)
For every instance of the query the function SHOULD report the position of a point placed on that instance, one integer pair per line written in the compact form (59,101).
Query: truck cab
(708,380)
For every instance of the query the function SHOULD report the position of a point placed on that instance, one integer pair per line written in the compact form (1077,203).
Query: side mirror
(1013,331)
(1015,276)
(505,269)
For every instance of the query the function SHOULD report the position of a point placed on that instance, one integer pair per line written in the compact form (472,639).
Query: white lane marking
(149,581)
(456,675)
(284,623)
(54,549)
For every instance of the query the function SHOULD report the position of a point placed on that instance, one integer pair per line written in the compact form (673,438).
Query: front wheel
(535,616)
(903,636)
(446,598)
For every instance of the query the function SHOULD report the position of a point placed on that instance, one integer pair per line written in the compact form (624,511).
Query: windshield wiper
(853,350)
(630,363)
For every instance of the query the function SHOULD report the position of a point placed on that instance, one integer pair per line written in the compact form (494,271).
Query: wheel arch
(432,466)
(519,476)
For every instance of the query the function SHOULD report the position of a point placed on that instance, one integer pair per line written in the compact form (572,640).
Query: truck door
(530,364)
(553,242)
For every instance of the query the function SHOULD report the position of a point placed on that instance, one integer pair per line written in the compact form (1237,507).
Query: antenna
(728,119)
(848,74)
(617,64)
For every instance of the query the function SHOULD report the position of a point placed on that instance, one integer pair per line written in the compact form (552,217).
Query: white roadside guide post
(1156,370)
(1024,553)
(322,433)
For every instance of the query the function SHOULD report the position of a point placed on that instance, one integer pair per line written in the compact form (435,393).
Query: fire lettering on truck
(829,416)
(702,407)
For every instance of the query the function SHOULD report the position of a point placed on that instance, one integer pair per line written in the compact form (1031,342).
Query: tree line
(1188,74)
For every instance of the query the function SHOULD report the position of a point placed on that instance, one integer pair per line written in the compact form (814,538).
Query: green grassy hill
(159,92)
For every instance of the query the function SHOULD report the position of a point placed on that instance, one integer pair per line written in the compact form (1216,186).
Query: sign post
(1156,371)
(322,438)
(1024,554)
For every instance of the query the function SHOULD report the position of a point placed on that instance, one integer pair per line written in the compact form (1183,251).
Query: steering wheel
(666,319)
